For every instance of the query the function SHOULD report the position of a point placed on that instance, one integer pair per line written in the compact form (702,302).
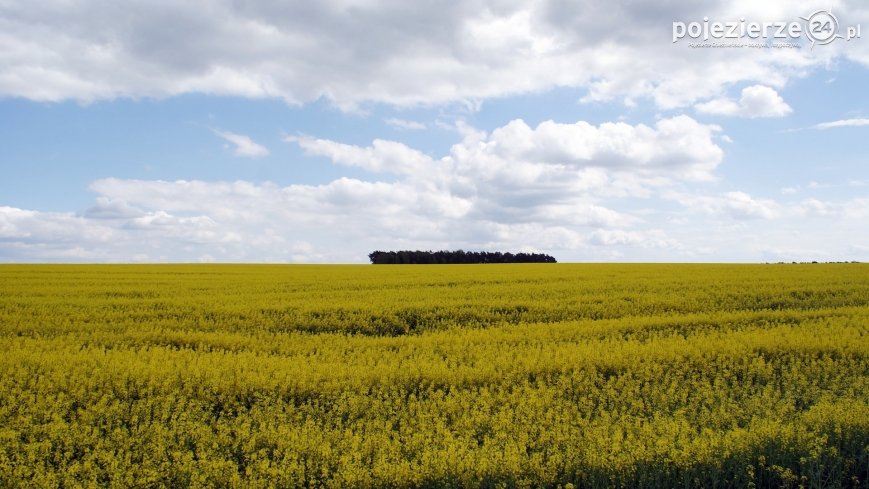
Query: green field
(434,376)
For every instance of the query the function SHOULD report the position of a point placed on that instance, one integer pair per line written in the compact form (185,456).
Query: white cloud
(381,156)
(854,209)
(646,239)
(567,189)
(792,253)
(517,187)
(842,123)
(678,146)
(405,124)
(357,52)
(756,101)
(27,235)
(815,207)
(341,221)
(552,173)
(742,206)
(243,145)
(106,208)
(735,204)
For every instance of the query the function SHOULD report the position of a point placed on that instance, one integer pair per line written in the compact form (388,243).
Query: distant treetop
(459,256)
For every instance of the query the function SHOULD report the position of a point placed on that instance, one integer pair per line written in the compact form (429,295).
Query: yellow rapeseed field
(434,376)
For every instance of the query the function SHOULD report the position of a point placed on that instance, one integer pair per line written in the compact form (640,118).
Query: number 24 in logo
(823,28)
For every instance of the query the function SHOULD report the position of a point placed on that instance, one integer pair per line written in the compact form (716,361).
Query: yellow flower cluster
(434,376)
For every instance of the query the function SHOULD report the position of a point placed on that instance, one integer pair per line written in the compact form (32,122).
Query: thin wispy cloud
(405,124)
(842,123)
(242,145)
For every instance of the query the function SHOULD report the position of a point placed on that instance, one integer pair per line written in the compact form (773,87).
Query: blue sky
(275,132)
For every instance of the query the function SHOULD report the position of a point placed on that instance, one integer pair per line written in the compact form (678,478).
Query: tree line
(454,257)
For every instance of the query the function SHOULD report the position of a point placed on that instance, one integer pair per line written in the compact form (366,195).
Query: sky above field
(592,130)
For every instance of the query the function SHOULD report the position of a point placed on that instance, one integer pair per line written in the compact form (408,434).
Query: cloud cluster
(353,52)
(554,172)
(549,154)
(518,187)
(580,191)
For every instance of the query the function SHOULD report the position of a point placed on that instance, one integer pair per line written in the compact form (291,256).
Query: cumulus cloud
(756,101)
(517,187)
(157,235)
(565,188)
(106,208)
(549,154)
(679,146)
(243,145)
(743,206)
(550,186)
(54,236)
(403,54)
(551,173)
(342,220)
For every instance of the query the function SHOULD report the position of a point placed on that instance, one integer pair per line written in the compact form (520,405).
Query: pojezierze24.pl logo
(820,28)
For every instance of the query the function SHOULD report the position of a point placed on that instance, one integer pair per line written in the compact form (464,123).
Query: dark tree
(452,257)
